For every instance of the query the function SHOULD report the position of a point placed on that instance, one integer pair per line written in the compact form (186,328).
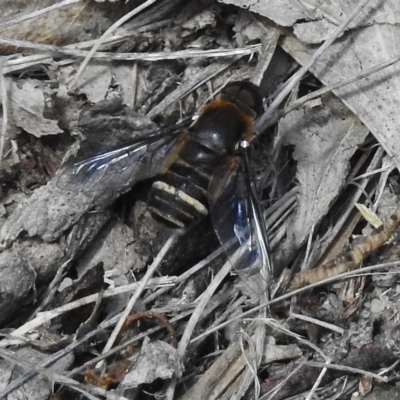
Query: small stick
(351,259)
(136,295)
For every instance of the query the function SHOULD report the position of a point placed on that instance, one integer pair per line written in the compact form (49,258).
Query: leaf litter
(321,150)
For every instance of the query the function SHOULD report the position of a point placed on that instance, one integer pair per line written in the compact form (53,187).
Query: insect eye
(245,95)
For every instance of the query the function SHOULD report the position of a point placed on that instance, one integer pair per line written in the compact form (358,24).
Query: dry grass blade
(154,56)
(53,376)
(107,33)
(263,121)
(37,13)
(144,281)
(46,316)
(349,369)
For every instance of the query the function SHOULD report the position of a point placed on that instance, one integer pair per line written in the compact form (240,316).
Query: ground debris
(90,277)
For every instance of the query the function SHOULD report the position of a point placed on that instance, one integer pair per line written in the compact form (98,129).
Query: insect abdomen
(178,199)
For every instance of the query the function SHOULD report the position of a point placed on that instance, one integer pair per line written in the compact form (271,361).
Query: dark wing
(238,222)
(118,167)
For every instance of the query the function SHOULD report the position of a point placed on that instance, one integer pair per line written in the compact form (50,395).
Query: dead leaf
(157,360)
(26,103)
(324,142)
(95,81)
(375,99)
(325,16)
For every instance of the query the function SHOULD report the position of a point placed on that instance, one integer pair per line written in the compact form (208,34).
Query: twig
(272,393)
(315,321)
(142,284)
(185,339)
(345,368)
(186,275)
(350,274)
(318,381)
(318,93)
(56,377)
(37,13)
(156,56)
(104,36)
(76,343)
(47,316)
(351,259)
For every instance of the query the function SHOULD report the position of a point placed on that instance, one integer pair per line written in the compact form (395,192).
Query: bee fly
(201,169)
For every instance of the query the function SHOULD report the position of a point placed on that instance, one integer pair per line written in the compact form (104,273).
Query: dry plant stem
(318,93)
(52,287)
(186,88)
(187,334)
(308,249)
(53,358)
(160,318)
(252,363)
(389,165)
(346,223)
(53,376)
(143,282)
(186,275)
(116,39)
(4,103)
(220,379)
(46,316)
(348,369)
(269,42)
(173,55)
(271,394)
(20,381)
(351,259)
(295,79)
(37,13)
(22,62)
(278,326)
(104,36)
(315,321)
(358,361)
(26,62)
(204,299)
(117,349)
(387,170)
(329,280)
(310,395)
(76,343)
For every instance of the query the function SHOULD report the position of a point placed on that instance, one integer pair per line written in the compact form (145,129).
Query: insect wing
(119,167)
(238,223)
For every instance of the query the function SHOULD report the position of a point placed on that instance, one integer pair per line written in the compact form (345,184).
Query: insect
(199,170)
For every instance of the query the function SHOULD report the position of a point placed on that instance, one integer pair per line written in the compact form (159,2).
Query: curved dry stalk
(37,13)
(351,259)
(104,36)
